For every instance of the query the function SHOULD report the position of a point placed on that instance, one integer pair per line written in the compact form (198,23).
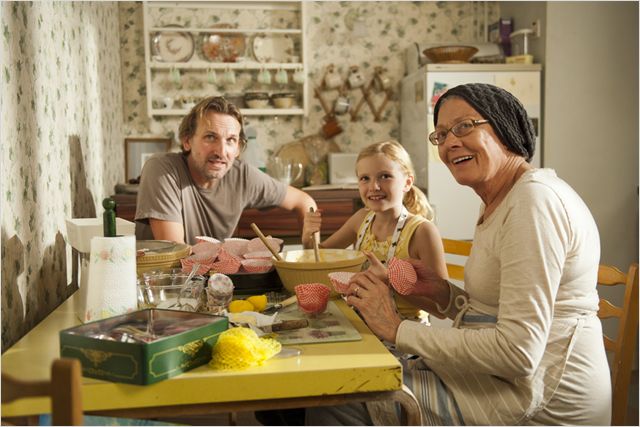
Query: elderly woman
(526,346)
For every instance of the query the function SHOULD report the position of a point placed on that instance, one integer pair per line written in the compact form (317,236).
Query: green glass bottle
(109,217)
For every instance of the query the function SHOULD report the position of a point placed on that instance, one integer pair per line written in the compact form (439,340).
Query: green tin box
(143,347)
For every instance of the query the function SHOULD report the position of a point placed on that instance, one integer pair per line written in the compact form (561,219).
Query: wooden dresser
(336,205)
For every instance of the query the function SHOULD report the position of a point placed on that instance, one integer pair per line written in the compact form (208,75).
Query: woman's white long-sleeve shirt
(533,270)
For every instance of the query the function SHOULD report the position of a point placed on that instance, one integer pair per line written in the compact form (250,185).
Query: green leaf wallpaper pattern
(61,117)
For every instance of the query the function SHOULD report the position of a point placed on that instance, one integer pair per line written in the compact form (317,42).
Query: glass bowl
(171,291)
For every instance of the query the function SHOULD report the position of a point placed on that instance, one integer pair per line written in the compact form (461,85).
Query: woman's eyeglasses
(459,129)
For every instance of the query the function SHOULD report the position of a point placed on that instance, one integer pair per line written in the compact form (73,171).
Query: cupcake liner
(402,276)
(188,263)
(340,280)
(266,255)
(206,249)
(256,244)
(256,265)
(207,239)
(227,263)
(236,246)
(312,297)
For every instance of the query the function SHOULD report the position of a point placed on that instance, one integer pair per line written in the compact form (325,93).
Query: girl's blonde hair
(415,200)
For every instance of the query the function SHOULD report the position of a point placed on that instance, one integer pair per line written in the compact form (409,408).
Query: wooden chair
(64,389)
(456,247)
(461,248)
(623,346)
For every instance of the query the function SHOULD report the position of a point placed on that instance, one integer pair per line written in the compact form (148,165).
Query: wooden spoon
(256,230)
(314,236)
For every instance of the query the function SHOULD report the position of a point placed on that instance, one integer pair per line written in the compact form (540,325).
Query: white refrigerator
(456,206)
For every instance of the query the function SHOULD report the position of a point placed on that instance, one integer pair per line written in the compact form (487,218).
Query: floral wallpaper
(62,133)
(366,34)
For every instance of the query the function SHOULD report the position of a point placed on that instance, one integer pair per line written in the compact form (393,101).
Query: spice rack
(379,80)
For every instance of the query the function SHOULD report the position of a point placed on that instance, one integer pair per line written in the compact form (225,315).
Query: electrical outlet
(535,26)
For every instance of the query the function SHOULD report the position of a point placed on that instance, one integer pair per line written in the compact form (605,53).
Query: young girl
(396,219)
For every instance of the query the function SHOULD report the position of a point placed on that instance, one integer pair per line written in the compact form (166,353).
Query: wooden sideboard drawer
(336,205)
(125,205)
(279,222)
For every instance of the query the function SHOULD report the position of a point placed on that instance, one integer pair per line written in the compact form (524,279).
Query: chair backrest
(456,247)
(623,346)
(64,389)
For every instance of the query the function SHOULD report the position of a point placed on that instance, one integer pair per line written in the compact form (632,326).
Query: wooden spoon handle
(255,228)
(314,236)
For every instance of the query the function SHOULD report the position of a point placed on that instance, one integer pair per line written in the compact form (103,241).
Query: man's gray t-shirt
(168,192)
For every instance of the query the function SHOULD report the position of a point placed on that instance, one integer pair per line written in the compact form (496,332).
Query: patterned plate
(273,48)
(172,46)
(218,47)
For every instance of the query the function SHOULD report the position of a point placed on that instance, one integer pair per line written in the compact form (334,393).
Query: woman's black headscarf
(504,111)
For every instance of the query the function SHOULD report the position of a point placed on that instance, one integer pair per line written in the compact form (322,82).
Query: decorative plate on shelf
(218,47)
(273,48)
(172,46)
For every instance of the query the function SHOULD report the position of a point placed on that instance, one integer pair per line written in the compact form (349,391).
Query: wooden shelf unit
(196,64)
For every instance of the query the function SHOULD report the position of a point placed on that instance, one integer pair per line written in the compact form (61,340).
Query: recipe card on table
(330,326)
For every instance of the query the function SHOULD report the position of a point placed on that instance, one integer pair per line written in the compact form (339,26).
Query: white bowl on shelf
(257,103)
(283,100)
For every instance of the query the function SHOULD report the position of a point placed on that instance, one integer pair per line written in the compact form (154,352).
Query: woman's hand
(311,224)
(372,297)
(429,283)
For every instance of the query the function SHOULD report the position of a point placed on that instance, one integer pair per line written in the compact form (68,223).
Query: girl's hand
(311,224)
(375,266)
(372,297)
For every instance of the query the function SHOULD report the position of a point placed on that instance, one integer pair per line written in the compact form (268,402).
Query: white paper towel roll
(111,286)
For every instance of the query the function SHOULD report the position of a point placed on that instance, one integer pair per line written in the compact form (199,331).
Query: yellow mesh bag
(241,348)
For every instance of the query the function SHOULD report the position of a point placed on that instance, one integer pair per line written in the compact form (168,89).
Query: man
(203,190)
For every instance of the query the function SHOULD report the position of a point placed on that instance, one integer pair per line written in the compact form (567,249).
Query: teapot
(285,171)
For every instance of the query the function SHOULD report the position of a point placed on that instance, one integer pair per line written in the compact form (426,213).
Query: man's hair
(217,104)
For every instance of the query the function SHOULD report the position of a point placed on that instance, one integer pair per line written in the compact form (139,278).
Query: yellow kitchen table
(323,374)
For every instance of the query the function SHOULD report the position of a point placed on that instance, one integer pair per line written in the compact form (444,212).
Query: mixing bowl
(300,266)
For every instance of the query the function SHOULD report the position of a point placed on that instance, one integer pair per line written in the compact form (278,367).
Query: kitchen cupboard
(336,206)
(197,49)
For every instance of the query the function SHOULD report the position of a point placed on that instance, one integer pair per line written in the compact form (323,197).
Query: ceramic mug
(332,79)
(382,81)
(342,105)
(212,77)
(264,77)
(229,76)
(167,102)
(299,76)
(174,76)
(282,77)
(356,79)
